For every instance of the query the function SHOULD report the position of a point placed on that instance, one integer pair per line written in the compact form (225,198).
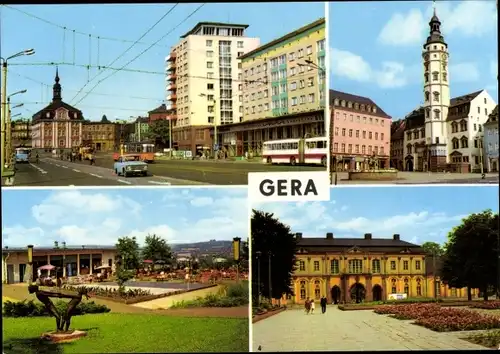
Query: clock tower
(436,96)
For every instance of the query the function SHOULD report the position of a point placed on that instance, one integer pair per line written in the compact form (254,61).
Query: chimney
(298,235)
(396,237)
(329,235)
(368,236)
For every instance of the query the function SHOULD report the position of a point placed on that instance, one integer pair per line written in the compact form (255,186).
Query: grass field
(132,333)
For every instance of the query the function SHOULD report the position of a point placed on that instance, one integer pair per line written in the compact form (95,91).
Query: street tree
(128,251)
(159,131)
(471,252)
(157,249)
(433,248)
(272,242)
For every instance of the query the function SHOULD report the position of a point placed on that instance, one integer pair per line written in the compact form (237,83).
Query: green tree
(156,249)
(272,241)
(433,248)
(128,250)
(470,258)
(159,131)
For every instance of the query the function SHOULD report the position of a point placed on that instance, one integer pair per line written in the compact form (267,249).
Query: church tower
(436,95)
(56,89)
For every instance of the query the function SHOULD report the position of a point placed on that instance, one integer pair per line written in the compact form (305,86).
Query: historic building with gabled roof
(491,141)
(445,134)
(58,125)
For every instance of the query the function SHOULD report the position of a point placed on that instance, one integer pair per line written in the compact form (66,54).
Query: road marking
(42,171)
(162,183)
(76,170)
(93,174)
(58,165)
(123,181)
(64,166)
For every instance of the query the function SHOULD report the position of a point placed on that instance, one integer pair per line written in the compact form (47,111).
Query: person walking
(307,306)
(312,306)
(323,304)
(92,159)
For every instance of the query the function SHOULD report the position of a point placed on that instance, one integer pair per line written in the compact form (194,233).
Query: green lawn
(130,333)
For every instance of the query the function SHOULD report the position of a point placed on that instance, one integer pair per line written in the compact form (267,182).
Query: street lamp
(269,254)
(258,254)
(8,124)
(236,256)
(215,144)
(3,122)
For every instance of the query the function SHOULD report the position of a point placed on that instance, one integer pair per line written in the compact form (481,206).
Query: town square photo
(190,94)
(134,265)
(383,268)
(411,101)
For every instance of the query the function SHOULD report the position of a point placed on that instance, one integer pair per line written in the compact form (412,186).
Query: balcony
(171,76)
(171,57)
(171,66)
(172,87)
(172,107)
(172,97)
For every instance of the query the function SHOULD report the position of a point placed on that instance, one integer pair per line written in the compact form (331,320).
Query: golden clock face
(444,56)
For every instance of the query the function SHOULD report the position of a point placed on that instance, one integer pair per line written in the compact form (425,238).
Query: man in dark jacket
(323,304)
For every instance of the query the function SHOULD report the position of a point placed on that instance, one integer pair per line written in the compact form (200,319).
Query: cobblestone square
(293,330)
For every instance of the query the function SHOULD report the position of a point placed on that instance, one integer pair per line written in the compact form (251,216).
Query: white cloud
(201,201)
(163,231)
(464,72)
(403,29)
(22,236)
(353,67)
(344,208)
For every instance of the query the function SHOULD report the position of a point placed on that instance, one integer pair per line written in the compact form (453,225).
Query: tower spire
(56,89)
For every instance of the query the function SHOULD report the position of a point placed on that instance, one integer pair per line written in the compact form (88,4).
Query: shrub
(238,290)
(487,305)
(111,292)
(33,309)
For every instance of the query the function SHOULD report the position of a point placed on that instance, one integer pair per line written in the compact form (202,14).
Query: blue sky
(418,214)
(52,44)
(100,216)
(376,49)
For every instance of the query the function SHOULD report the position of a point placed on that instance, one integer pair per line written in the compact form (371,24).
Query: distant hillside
(200,249)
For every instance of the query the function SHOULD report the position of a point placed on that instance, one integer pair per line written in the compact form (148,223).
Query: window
(334,266)
(310,81)
(435,96)
(419,286)
(294,101)
(210,53)
(376,266)
(407,287)
(293,86)
(437,288)
(355,266)
(209,43)
(239,44)
(393,265)
(302,290)
(435,76)
(464,142)
(310,98)
(210,75)
(427,95)
(437,114)
(394,288)
(309,50)
(455,143)
(316,266)
(210,86)
(210,64)
(445,77)
(405,265)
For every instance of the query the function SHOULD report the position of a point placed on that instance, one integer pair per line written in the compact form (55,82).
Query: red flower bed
(441,319)
(487,305)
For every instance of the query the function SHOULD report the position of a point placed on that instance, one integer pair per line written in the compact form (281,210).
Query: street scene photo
(411,100)
(344,275)
(161,94)
(125,271)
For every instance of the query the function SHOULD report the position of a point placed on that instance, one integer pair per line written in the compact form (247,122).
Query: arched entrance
(358,292)
(409,163)
(336,292)
(377,293)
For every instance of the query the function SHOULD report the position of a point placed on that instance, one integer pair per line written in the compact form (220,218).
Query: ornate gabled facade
(58,125)
(491,141)
(397,143)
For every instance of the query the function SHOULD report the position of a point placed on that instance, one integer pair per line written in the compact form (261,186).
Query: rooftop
(356,99)
(160,109)
(215,24)
(464,98)
(366,241)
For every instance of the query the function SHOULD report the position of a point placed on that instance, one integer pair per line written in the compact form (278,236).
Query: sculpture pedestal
(58,337)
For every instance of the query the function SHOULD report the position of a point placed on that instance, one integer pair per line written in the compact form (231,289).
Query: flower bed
(440,319)
(33,309)
(487,305)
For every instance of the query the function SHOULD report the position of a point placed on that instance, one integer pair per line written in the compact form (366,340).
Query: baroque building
(100,136)
(58,125)
(366,269)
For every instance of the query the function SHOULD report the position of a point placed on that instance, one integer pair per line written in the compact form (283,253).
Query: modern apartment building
(203,83)
(283,93)
(360,130)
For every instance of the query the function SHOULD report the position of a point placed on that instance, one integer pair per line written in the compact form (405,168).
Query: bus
(296,151)
(145,150)
(23,155)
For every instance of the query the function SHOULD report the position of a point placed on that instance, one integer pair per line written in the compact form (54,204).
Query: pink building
(359,130)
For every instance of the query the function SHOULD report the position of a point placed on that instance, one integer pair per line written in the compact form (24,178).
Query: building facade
(365,269)
(58,125)
(203,82)
(99,135)
(445,134)
(283,92)
(491,141)
(159,113)
(141,129)
(21,133)
(397,144)
(70,261)
(359,130)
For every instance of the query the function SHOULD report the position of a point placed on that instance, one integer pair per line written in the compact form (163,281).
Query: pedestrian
(312,306)
(323,304)
(92,159)
(307,306)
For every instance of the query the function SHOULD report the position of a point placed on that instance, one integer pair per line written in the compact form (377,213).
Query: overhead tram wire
(90,106)
(113,39)
(126,50)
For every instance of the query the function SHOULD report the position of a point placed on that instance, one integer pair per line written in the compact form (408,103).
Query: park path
(293,330)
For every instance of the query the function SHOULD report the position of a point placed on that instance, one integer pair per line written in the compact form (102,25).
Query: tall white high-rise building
(204,82)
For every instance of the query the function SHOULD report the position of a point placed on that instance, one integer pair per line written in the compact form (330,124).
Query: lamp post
(258,254)
(4,61)
(215,147)
(236,255)
(8,126)
(30,264)
(269,254)
(480,145)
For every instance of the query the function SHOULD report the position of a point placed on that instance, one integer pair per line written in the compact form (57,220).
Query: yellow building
(283,91)
(366,269)
(101,136)
(21,133)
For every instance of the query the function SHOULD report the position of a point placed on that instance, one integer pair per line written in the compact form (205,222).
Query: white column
(78,264)
(68,134)
(54,135)
(91,267)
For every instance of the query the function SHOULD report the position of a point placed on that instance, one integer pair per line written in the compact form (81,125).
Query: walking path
(293,330)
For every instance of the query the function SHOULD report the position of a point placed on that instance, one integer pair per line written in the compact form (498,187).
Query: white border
(327,88)
(250,306)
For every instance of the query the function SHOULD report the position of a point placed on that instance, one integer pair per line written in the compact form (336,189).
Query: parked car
(130,164)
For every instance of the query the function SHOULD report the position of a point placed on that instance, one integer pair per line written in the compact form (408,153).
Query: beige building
(283,93)
(203,82)
(70,261)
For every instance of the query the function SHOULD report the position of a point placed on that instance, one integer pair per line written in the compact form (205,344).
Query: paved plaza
(293,330)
